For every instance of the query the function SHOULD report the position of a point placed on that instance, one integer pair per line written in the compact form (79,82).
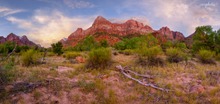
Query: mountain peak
(134,23)
(11,34)
(18,40)
(100,20)
(165,28)
(24,37)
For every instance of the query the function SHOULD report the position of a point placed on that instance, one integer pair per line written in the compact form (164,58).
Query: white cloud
(4,11)
(182,15)
(78,4)
(46,28)
(22,23)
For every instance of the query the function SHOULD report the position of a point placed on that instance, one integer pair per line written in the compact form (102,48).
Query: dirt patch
(63,69)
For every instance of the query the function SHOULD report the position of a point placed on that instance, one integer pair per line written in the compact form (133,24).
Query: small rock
(130,82)
(104,76)
(197,89)
(152,91)
(80,59)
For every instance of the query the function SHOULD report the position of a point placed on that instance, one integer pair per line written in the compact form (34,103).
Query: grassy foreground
(64,81)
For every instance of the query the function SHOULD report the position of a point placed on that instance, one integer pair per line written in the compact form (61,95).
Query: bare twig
(45,53)
(123,71)
(11,52)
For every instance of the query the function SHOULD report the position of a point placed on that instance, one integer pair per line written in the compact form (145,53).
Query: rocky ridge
(102,29)
(18,40)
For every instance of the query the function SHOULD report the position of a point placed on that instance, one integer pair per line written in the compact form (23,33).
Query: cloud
(78,4)
(22,23)
(181,15)
(4,11)
(49,27)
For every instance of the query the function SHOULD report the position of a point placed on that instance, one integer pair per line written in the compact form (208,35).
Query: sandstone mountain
(103,29)
(18,40)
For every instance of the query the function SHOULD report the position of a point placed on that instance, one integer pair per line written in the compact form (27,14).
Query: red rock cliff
(113,32)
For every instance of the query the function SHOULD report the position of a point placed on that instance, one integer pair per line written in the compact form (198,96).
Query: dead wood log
(137,74)
(123,71)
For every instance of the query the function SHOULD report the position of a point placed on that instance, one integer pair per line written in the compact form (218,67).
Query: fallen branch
(123,71)
(137,74)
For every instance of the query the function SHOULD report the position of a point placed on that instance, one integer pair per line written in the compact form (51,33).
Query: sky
(48,21)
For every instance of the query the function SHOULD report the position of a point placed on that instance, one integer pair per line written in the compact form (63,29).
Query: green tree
(57,48)
(217,41)
(137,42)
(86,44)
(205,38)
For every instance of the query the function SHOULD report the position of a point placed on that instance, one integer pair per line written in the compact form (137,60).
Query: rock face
(165,34)
(18,40)
(2,39)
(103,29)
(189,40)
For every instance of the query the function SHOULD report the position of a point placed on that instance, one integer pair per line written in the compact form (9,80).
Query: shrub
(22,48)
(180,45)
(99,58)
(7,47)
(30,57)
(150,56)
(7,73)
(174,44)
(150,52)
(175,55)
(167,45)
(120,45)
(71,55)
(127,52)
(150,40)
(57,48)
(9,64)
(104,43)
(50,54)
(136,42)
(206,56)
(86,44)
